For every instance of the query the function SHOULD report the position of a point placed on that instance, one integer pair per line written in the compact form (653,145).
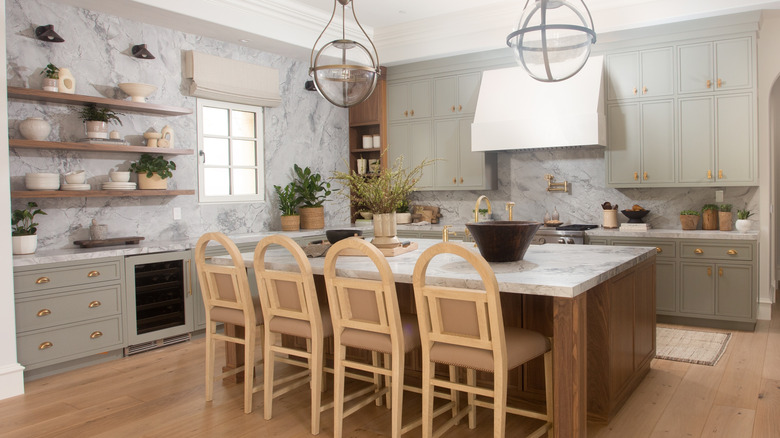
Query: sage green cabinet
(716,66)
(638,74)
(665,270)
(456,95)
(717,289)
(414,142)
(409,100)
(456,166)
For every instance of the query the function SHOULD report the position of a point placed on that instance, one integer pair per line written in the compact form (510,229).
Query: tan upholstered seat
(465,328)
(228,299)
(290,307)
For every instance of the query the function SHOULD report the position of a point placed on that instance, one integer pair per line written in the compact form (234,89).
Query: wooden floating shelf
(80,99)
(24,194)
(69,146)
(366,150)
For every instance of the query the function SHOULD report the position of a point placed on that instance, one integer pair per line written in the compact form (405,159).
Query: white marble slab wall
(304,129)
(521,180)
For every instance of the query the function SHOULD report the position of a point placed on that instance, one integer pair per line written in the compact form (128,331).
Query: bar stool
(465,328)
(228,300)
(290,307)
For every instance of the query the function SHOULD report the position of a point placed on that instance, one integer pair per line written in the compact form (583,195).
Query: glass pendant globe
(344,73)
(552,39)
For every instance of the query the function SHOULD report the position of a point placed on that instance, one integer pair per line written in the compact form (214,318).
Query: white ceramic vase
(66,83)
(35,128)
(96,129)
(50,84)
(743,225)
(24,244)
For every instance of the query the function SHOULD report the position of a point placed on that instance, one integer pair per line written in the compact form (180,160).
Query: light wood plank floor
(160,393)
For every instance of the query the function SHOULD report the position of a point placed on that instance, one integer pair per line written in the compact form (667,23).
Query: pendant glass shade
(553,38)
(344,71)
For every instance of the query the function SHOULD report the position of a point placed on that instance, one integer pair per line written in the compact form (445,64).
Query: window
(230,152)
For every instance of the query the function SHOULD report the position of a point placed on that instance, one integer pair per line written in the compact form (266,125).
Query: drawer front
(738,251)
(50,346)
(67,307)
(59,277)
(663,248)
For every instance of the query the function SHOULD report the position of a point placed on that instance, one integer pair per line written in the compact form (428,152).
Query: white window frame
(259,153)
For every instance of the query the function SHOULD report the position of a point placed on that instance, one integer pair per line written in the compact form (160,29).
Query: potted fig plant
(743,223)
(312,191)
(51,76)
(291,221)
(724,217)
(153,172)
(709,217)
(96,120)
(689,219)
(24,239)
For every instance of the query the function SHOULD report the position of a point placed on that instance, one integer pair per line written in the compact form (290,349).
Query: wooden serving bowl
(503,241)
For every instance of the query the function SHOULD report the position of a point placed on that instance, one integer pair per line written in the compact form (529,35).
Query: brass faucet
(445,233)
(476,207)
(509,206)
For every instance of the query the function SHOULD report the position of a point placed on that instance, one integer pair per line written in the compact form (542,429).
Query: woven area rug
(693,346)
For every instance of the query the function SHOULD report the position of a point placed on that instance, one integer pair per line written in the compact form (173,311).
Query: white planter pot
(743,225)
(35,128)
(403,218)
(24,244)
(50,84)
(96,129)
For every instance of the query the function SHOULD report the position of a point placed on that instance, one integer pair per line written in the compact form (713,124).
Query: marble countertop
(549,270)
(675,234)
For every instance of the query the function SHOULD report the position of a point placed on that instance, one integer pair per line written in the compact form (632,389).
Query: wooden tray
(108,242)
(387,252)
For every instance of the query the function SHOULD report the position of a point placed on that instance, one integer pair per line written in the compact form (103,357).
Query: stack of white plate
(68,187)
(113,185)
(42,181)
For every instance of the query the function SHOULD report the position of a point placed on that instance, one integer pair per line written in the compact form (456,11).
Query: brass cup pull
(636,176)
(94,304)
(460,107)
(92,274)
(42,280)
(698,251)
(43,312)
(411,113)
(453,108)
(709,174)
(644,90)
(406,113)
(645,175)
(709,271)
(709,83)
(658,250)
(45,345)
(720,272)
(96,334)
(732,252)
(720,82)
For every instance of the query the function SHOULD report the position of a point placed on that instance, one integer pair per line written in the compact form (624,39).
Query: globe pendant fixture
(344,71)
(553,38)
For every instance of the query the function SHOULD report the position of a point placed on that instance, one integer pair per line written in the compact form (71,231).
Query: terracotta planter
(312,218)
(385,231)
(724,220)
(689,221)
(291,222)
(709,220)
(153,183)
(24,244)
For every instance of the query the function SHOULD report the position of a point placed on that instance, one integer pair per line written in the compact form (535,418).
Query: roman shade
(229,80)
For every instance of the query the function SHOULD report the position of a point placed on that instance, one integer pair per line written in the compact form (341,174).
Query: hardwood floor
(161,393)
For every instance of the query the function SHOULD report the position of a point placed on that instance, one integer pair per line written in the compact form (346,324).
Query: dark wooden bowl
(635,217)
(503,241)
(336,235)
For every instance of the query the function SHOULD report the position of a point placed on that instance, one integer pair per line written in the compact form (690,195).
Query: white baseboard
(764,310)
(11,380)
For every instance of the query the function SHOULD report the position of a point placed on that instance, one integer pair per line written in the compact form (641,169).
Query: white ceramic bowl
(119,176)
(42,181)
(137,92)
(75,177)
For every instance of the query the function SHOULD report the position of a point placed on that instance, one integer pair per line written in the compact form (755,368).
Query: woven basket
(312,218)
(291,223)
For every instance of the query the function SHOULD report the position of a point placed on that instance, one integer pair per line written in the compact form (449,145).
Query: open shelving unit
(80,99)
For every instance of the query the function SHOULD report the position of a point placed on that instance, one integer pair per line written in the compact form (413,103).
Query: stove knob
(562,241)
(570,241)
(542,241)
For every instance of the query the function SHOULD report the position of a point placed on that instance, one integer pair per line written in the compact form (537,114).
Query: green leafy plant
(709,207)
(288,201)
(403,207)
(482,211)
(151,165)
(311,189)
(725,208)
(94,113)
(743,214)
(689,213)
(22,220)
(51,71)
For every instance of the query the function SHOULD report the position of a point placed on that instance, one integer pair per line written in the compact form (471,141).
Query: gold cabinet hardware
(42,280)
(460,107)
(720,173)
(709,271)
(720,272)
(709,83)
(96,334)
(189,278)
(658,250)
(461,180)
(406,113)
(634,91)
(732,252)
(453,108)
(645,175)
(709,174)
(454,180)
(720,82)
(644,90)
(92,274)
(45,345)
(43,312)
(698,251)
(94,304)
(636,176)
(411,113)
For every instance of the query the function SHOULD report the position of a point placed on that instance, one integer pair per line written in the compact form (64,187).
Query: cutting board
(108,242)
(387,252)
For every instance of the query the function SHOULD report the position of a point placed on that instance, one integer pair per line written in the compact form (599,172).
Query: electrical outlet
(176,213)
(718,195)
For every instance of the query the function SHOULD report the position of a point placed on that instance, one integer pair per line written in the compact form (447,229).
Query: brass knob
(720,82)
(645,175)
(96,334)
(658,250)
(636,176)
(92,274)
(720,272)
(94,304)
(709,174)
(709,83)
(454,180)
(698,251)
(709,271)
(720,173)
(644,90)
(460,107)
(411,113)
(461,180)
(43,312)
(732,252)
(634,91)
(45,345)
(42,280)
(406,113)
(453,108)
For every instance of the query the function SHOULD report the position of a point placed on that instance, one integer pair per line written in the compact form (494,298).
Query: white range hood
(515,111)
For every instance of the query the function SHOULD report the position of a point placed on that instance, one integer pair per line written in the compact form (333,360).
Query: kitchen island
(598,304)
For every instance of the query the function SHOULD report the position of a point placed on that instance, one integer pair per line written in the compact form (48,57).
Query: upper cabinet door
(420,99)
(623,75)
(445,96)
(472,164)
(733,59)
(734,134)
(624,150)
(409,101)
(697,123)
(398,102)
(696,68)
(658,151)
(657,67)
(468,91)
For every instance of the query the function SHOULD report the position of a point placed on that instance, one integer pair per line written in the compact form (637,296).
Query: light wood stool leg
(268,375)
(338,390)
(471,380)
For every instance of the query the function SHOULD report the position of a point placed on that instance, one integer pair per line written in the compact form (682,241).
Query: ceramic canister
(35,128)
(368,142)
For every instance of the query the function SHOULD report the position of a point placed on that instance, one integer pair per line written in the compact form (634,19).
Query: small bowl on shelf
(75,177)
(635,216)
(137,92)
(119,176)
(42,181)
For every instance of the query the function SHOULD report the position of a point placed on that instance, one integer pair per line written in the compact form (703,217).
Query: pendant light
(553,38)
(344,71)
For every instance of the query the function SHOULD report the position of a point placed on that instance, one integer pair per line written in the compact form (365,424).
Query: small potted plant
(24,239)
(709,217)
(483,214)
(291,221)
(51,77)
(153,172)
(689,219)
(402,214)
(743,223)
(312,191)
(96,120)
(724,217)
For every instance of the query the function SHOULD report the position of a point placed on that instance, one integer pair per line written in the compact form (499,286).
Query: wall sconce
(140,51)
(556,186)
(47,33)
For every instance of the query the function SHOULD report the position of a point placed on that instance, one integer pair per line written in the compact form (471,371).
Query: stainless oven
(567,234)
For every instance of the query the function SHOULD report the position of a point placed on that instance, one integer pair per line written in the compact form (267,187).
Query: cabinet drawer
(50,346)
(723,251)
(664,248)
(59,277)
(67,307)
